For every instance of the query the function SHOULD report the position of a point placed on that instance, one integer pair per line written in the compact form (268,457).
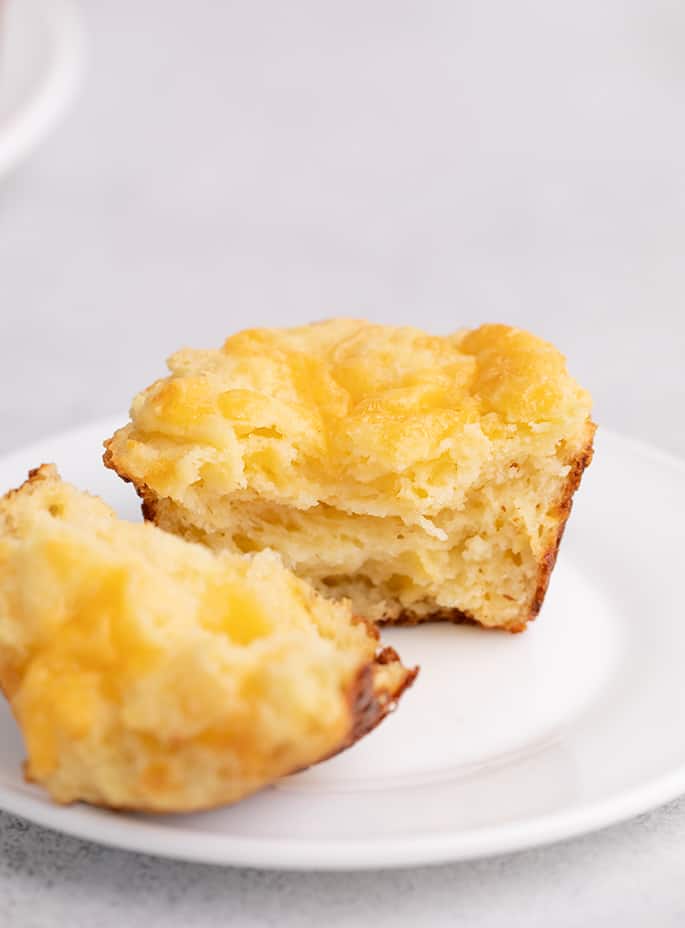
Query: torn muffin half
(147,672)
(421,476)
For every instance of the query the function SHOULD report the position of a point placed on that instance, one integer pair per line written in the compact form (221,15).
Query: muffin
(149,673)
(419,476)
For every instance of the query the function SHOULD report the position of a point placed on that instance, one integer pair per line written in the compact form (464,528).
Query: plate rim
(79,821)
(148,837)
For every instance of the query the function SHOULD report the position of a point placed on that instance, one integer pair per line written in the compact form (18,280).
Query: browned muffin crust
(368,705)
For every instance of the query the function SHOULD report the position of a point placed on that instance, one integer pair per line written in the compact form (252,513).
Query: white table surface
(436,163)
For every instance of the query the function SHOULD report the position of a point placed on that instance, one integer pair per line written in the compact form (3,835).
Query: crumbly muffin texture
(149,673)
(420,476)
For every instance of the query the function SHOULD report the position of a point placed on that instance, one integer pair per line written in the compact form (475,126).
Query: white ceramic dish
(41,62)
(505,741)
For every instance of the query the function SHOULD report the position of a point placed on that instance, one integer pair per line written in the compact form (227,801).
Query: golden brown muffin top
(345,412)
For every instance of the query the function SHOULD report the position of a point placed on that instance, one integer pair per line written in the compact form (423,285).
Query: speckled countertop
(258,162)
(629,876)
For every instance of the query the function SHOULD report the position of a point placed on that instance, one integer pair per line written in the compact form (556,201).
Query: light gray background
(438,163)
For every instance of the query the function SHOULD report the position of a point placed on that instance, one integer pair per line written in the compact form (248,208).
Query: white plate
(505,741)
(41,58)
